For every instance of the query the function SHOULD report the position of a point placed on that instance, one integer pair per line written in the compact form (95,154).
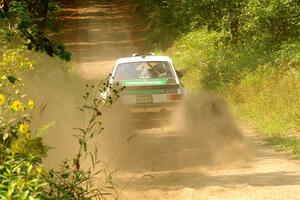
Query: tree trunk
(39,12)
(42,9)
(234,27)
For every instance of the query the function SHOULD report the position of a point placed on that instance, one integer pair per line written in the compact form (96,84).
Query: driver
(143,70)
(151,70)
(158,70)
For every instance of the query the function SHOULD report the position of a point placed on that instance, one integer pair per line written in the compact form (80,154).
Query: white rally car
(152,86)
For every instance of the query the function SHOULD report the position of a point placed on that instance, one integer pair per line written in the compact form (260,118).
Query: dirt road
(163,164)
(98,32)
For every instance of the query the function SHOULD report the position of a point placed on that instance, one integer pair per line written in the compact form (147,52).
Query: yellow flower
(17,105)
(31,104)
(23,128)
(2,99)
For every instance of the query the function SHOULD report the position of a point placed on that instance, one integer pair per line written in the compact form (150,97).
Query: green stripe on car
(142,92)
(145,82)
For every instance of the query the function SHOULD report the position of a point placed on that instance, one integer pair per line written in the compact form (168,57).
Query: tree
(271,22)
(26,21)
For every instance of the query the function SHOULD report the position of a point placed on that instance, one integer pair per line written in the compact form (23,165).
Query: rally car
(152,86)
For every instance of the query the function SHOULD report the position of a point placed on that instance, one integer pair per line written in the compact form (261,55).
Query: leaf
(85,146)
(44,128)
(12,79)
(80,129)
(43,107)
(65,175)
(5,136)
(93,159)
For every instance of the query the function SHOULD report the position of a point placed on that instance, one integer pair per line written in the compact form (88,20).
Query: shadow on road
(97,33)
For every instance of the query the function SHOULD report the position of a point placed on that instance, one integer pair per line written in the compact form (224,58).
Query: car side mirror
(180,73)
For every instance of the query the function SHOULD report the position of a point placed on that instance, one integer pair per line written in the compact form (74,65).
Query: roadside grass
(263,87)
(269,99)
(290,144)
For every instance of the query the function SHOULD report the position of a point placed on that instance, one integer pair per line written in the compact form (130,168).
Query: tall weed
(263,86)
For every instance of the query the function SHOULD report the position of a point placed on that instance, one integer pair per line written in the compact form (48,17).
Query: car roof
(144,58)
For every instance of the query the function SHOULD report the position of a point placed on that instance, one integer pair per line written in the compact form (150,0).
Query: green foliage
(271,22)
(165,20)
(21,170)
(269,96)
(264,23)
(262,86)
(216,62)
(13,63)
(71,183)
(21,178)
(26,22)
(22,175)
(15,110)
(271,89)
(269,99)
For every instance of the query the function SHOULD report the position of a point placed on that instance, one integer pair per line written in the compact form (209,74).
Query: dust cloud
(202,131)
(206,119)
(117,133)
(57,88)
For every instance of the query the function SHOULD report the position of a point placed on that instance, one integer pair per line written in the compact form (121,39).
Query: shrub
(269,96)
(262,23)
(215,62)
(270,23)
(22,175)
(262,85)
(71,180)
(20,153)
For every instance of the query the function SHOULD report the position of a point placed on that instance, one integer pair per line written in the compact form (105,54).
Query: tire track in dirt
(176,169)
(162,164)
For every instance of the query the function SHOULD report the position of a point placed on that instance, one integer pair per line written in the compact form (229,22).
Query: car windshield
(143,70)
